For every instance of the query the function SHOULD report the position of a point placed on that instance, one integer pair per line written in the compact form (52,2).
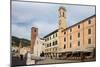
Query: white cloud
(44,27)
(21,32)
(44,16)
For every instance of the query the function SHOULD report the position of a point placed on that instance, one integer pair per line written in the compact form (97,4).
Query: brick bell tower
(34,33)
(62,25)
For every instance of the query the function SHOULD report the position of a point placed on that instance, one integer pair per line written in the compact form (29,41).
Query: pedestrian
(21,56)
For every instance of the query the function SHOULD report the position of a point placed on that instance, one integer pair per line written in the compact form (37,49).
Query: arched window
(63,14)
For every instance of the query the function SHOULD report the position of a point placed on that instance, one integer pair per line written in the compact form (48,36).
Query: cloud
(44,16)
(21,32)
(24,32)
(44,27)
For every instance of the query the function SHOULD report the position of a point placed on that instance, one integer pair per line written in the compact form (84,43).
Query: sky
(44,16)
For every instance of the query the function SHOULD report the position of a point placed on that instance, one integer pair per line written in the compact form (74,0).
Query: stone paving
(18,62)
(56,61)
(52,61)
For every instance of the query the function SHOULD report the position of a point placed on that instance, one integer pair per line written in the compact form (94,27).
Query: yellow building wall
(93,32)
(84,26)
(75,38)
(83,30)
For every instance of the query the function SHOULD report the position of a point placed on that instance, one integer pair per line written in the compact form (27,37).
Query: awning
(73,50)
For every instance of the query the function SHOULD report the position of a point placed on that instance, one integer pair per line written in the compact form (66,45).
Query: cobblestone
(52,61)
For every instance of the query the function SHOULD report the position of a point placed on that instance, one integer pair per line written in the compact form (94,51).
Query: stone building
(53,41)
(37,43)
(38,47)
(78,38)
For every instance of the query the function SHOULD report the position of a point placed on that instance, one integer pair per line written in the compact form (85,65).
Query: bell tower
(62,18)
(34,34)
(62,26)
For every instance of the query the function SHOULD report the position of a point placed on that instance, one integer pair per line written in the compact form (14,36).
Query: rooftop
(51,33)
(69,26)
(80,22)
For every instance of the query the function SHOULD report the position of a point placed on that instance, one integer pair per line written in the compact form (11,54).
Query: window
(70,45)
(78,35)
(63,14)
(64,33)
(70,37)
(89,41)
(64,46)
(78,43)
(70,30)
(64,39)
(89,21)
(56,49)
(50,44)
(34,30)
(50,37)
(53,36)
(46,39)
(56,34)
(89,31)
(55,42)
(78,26)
